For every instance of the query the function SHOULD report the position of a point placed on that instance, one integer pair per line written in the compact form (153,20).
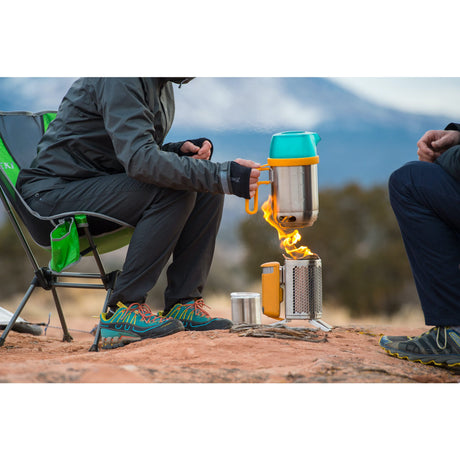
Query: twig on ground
(279,332)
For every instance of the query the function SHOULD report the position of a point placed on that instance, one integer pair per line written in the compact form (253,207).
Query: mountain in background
(362,142)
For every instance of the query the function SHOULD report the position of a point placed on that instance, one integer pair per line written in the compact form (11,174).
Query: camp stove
(293,169)
(302,293)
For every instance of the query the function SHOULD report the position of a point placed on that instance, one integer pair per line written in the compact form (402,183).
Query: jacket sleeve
(176,146)
(130,124)
(450,159)
(453,127)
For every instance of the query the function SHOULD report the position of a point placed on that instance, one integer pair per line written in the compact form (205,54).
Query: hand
(255,174)
(434,143)
(201,153)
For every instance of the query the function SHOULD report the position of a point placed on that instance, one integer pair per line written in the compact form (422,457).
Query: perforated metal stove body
(302,294)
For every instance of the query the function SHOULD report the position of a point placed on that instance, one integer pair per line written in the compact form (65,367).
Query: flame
(288,241)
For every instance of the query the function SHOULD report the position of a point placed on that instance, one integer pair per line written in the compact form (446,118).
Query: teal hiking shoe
(133,323)
(194,317)
(439,346)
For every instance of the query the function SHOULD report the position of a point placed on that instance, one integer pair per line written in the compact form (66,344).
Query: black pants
(426,202)
(167,222)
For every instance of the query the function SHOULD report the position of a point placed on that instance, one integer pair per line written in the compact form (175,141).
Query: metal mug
(246,307)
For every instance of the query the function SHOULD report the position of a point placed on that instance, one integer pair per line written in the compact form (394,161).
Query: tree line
(357,237)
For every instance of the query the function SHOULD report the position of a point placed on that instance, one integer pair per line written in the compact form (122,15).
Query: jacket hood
(180,80)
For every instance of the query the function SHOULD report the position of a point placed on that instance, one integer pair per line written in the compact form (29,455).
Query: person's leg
(153,241)
(189,270)
(426,202)
(193,253)
(158,215)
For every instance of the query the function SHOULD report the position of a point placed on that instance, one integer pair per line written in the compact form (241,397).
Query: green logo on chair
(8,165)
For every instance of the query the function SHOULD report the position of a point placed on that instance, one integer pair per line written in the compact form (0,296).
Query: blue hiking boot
(133,323)
(194,317)
(439,346)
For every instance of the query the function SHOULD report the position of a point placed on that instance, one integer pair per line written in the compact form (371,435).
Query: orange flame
(288,241)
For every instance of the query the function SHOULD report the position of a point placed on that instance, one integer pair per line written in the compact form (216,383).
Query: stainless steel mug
(246,307)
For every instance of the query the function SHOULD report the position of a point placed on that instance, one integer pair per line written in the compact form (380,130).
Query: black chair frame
(39,228)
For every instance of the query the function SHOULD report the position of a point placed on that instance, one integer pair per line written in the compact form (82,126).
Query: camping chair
(64,233)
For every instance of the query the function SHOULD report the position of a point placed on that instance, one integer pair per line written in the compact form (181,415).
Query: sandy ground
(349,353)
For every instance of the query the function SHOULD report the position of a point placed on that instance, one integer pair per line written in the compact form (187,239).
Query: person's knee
(210,201)
(216,200)
(402,174)
(180,200)
(402,177)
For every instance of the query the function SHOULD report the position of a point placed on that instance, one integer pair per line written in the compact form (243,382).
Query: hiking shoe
(439,346)
(194,317)
(133,323)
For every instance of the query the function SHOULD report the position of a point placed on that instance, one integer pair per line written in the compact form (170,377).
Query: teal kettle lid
(294,144)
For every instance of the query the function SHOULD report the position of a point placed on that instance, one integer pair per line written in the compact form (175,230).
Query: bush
(15,269)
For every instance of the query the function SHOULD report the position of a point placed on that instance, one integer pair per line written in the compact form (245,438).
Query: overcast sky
(262,103)
(434,96)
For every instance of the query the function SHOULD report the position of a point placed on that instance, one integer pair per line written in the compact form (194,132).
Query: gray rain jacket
(116,125)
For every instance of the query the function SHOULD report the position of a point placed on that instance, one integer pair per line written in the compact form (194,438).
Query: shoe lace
(445,337)
(144,311)
(438,329)
(199,308)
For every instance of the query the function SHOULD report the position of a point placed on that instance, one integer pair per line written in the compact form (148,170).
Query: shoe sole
(117,339)
(206,327)
(428,359)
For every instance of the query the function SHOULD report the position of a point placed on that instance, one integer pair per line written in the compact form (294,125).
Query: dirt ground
(349,353)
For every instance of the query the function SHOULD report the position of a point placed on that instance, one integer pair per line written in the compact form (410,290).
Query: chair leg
(95,345)
(18,311)
(112,278)
(66,336)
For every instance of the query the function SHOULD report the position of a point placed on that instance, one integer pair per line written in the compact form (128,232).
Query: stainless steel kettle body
(295,195)
(293,166)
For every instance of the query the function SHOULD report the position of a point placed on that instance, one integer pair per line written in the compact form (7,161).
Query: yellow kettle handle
(256,195)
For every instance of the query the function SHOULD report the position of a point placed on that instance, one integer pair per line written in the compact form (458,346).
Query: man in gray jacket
(104,153)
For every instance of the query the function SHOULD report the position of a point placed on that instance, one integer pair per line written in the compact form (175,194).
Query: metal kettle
(293,165)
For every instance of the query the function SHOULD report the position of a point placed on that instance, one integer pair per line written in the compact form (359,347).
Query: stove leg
(279,323)
(321,324)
